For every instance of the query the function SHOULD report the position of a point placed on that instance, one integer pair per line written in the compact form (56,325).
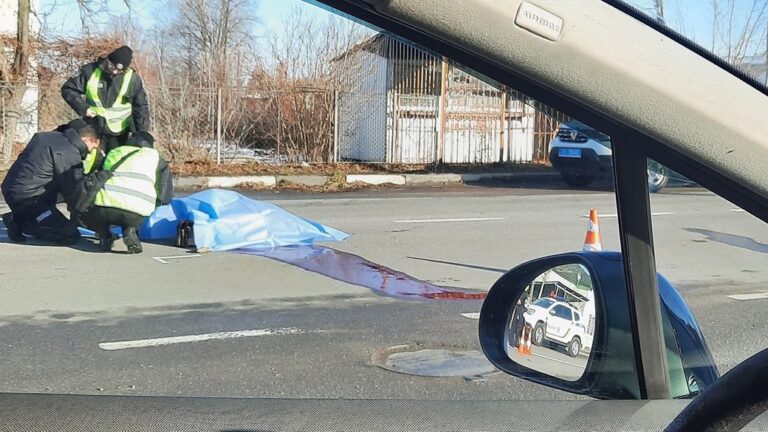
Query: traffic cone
(593,242)
(521,344)
(528,349)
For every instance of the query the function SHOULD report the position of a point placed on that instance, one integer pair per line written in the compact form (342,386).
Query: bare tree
(300,77)
(14,72)
(214,37)
(16,65)
(738,32)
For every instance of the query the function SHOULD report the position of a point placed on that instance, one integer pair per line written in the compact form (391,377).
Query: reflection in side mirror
(551,326)
(575,333)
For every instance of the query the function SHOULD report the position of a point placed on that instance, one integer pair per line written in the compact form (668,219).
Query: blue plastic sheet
(226,220)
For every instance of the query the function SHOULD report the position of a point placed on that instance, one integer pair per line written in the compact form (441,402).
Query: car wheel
(574,347)
(658,177)
(578,180)
(538,334)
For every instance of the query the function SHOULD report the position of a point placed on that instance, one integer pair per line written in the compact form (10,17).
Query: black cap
(121,57)
(77,124)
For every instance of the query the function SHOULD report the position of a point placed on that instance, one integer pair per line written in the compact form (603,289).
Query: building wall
(362,108)
(389,110)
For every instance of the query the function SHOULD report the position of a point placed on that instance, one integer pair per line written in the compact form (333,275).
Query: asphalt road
(76,321)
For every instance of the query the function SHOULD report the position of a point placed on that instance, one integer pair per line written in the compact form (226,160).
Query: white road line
(449,220)
(145,343)
(162,260)
(613,215)
(472,315)
(753,296)
(738,210)
(560,361)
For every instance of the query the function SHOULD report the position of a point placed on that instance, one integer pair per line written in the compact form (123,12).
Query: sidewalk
(319,181)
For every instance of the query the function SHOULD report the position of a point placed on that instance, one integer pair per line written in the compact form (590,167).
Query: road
(227,324)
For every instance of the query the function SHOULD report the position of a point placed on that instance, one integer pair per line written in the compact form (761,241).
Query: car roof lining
(608,70)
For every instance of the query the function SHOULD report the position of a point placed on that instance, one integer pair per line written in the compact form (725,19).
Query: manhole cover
(433,362)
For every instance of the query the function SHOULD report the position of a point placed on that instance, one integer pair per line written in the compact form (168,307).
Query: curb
(368,179)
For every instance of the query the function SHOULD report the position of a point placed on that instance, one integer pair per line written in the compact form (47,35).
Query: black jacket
(45,166)
(73,91)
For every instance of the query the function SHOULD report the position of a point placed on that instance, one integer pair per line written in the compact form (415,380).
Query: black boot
(105,242)
(131,239)
(14,229)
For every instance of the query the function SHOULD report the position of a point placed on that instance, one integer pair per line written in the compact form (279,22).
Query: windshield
(733,31)
(544,303)
(343,200)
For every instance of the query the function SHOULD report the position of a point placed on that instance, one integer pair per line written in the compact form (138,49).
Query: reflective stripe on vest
(119,114)
(132,185)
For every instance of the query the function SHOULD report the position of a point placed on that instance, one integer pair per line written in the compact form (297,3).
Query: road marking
(449,220)
(738,210)
(613,215)
(558,360)
(472,315)
(145,343)
(162,260)
(753,296)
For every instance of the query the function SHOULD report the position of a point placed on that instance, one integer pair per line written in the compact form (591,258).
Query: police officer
(140,181)
(45,170)
(110,90)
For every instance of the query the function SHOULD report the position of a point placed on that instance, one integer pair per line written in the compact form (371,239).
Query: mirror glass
(550,328)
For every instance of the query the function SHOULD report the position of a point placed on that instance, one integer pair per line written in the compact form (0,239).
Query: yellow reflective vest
(117,116)
(132,185)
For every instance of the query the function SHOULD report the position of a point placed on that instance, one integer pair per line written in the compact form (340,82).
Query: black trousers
(39,217)
(99,219)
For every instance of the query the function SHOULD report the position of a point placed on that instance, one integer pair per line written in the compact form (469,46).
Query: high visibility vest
(118,116)
(132,185)
(90,160)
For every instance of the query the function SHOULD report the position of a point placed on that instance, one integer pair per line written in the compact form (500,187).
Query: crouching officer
(43,172)
(140,181)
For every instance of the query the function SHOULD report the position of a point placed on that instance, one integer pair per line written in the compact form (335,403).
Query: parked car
(558,322)
(581,154)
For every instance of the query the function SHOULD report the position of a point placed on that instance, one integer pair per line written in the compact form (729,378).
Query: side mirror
(592,353)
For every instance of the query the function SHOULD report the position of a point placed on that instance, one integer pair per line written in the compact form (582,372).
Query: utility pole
(659,4)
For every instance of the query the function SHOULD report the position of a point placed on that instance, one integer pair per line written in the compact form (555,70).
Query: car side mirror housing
(593,355)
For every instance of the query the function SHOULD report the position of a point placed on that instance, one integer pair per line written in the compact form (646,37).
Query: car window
(733,31)
(545,303)
(425,181)
(715,254)
(441,178)
(561,311)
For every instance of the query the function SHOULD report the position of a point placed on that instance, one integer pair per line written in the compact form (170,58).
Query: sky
(63,17)
(692,17)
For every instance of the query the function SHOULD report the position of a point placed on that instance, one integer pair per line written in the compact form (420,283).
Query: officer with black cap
(111,91)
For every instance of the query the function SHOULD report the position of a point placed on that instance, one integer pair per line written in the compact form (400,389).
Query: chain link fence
(471,124)
(227,125)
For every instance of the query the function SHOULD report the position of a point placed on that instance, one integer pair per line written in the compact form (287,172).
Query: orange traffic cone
(593,242)
(521,344)
(528,349)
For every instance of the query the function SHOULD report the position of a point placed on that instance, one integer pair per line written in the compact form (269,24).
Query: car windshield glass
(734,31)
(343,200)
(545,303)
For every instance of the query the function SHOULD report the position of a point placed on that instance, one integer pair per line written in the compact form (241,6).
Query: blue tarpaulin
(225,220)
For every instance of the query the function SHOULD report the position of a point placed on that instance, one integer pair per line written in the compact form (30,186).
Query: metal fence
(470,124)
(228,125)
(404,104)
